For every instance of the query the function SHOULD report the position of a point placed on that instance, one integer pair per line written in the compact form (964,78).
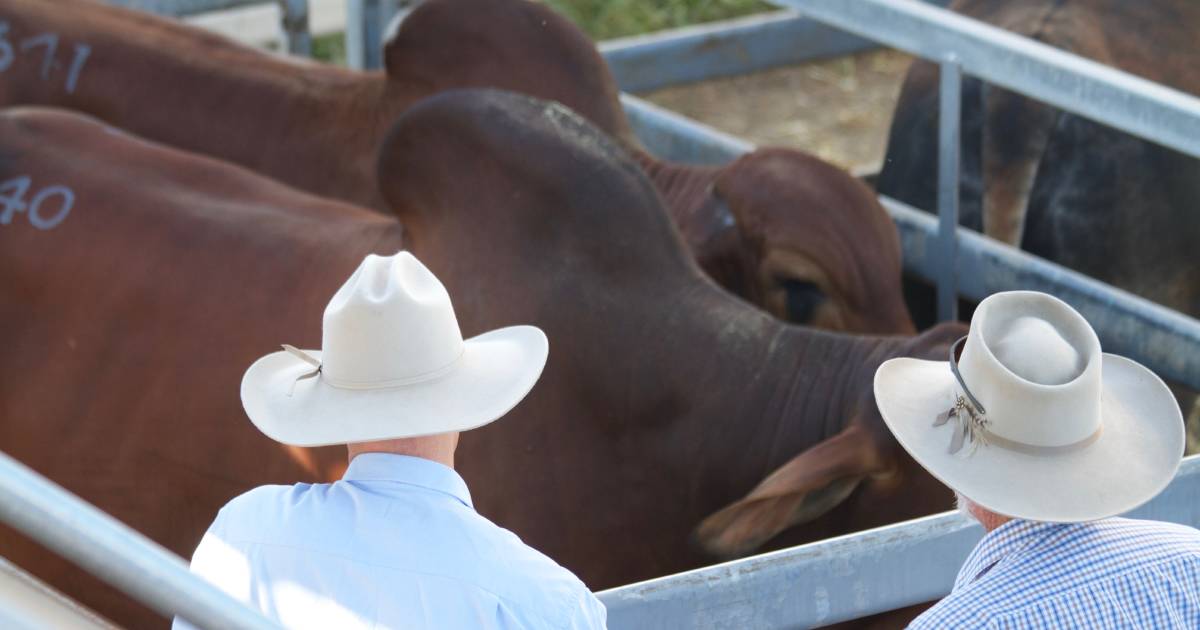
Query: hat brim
(497,369)
(1136,455)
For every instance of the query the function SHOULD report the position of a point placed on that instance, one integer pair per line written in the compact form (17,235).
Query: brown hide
(317,127)
(130,323)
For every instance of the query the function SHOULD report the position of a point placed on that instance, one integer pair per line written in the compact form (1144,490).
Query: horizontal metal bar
(1067,81)
(1164,340)
(185,7)
(681,139)
(112,551)
(841,578)
(26,603)
(727,48)
(732,47)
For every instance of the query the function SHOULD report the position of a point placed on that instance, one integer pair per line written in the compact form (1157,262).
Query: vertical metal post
(295,27)
(355,17)
(949,106)
(373,26)
(366,26)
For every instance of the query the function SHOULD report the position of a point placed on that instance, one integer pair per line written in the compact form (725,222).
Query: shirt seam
(461,499)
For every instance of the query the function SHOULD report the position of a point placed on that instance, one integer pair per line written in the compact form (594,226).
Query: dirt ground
(838,109)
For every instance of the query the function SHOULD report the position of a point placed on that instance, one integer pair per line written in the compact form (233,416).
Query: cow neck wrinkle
(821,393)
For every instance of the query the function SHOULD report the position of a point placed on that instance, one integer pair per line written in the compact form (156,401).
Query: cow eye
(802,299)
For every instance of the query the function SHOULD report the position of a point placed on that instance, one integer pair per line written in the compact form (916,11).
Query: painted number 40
(45,210)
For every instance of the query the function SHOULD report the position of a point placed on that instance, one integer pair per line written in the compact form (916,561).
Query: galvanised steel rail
(109,549)
(732,47)
(295,15)
(727,48)
(841,578)
(1164,340)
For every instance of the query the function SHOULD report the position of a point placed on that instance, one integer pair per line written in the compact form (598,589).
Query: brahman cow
(139,281)
(1100,201)
(782,229)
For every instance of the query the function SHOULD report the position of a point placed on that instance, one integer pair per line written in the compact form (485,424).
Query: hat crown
(1034,363)
(1035,350)
(391,321)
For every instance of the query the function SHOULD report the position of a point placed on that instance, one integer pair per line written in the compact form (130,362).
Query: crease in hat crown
(1035,364)
(390,323)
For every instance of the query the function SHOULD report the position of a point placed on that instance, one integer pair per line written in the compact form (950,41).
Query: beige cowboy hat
(392,364)
(1032,421)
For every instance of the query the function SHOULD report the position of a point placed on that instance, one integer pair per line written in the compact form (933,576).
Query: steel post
(295,27)
(949,104)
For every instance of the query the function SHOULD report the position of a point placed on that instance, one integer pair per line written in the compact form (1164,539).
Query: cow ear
(807,486)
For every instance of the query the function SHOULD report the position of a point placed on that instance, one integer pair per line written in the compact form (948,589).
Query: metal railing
(841,578)
(832,580)
(294,15)
(110,550)
(1067,81)
(728,48)
(28,604)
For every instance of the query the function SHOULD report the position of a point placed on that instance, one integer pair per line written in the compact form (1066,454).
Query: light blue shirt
(1113,573)
(395,544)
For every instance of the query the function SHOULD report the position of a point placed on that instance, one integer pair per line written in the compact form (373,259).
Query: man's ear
(807,486)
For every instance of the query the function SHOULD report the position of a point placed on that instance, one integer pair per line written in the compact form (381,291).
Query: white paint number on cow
(39,210)
(48,43)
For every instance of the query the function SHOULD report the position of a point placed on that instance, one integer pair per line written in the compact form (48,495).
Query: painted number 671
(41,210)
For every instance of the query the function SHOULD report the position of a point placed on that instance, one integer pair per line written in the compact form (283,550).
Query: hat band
(399,382)
(319,371)
(991,439)
(972,422)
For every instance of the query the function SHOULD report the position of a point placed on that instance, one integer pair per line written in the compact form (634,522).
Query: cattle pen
(825,582)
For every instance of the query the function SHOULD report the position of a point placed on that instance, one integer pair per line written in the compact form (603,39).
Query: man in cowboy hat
(395,543)
(1044,439)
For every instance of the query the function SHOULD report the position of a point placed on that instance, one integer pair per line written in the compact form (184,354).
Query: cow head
(863,458)
(824,252)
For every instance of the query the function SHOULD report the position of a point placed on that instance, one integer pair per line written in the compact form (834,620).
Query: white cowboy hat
(392,364)
(1045,427)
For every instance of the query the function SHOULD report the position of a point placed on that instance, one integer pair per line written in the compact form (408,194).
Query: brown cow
(130,312)
(788,232)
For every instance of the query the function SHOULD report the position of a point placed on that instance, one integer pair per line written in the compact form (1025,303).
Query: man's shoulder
(1151,530)
(504,553)
(259,507)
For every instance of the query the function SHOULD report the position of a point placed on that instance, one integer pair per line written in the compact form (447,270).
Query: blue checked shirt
(1113,573)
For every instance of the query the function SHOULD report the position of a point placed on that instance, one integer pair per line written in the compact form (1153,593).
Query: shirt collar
(996,545)
(414,471)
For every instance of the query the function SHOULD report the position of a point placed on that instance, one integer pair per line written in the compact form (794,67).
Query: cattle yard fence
(294,15)
(109,549)
(828,581)
(841,578)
